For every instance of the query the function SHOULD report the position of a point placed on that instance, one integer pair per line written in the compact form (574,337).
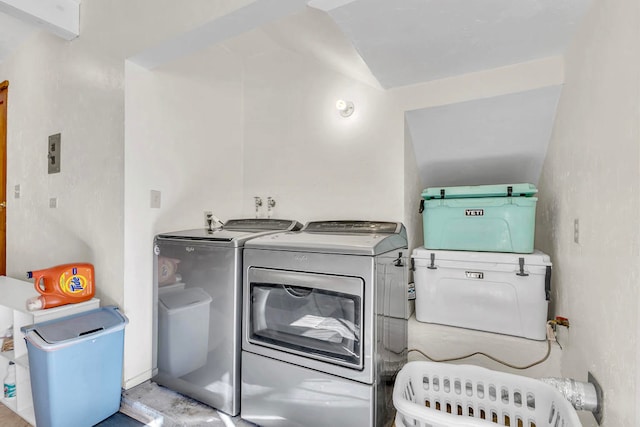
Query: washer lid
(340,237)
(262,224)
(217,235)
(235,232)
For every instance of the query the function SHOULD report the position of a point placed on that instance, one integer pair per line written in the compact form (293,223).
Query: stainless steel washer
(197,307)
(324,324)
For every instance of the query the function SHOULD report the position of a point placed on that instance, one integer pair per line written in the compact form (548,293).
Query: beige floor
(9,419)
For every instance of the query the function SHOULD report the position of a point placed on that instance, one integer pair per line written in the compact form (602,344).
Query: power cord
(495,359)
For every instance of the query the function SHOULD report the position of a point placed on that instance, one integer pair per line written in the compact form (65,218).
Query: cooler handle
(421,206)
(522,272)
(433,265)
(547,283)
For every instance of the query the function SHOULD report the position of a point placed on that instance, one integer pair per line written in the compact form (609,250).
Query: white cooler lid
(537,258)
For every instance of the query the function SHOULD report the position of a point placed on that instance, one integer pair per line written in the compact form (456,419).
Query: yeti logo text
(474,212)
(474,274)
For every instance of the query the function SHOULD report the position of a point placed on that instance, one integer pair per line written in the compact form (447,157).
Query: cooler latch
(442,193)
(432,266)
(421,206)
(521,273)
(509,191)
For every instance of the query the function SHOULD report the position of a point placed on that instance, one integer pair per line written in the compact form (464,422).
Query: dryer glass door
(313,315)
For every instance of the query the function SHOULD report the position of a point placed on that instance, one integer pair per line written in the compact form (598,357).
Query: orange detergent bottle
(62,284)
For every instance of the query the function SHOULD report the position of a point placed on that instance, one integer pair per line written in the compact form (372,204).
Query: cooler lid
(536,258)
(182,298)
(498,190)
(78,326)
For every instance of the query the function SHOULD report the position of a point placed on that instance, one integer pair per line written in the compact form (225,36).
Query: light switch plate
(155,199)
(53,153)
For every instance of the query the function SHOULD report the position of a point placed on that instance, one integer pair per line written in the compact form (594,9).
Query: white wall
(184,139)
(592,173)
(412,194)
(60,87)
(301,151)
(493,140)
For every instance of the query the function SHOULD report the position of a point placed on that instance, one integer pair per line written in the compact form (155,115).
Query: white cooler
(489,291)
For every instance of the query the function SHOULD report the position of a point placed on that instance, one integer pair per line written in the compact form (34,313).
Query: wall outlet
(16,191)
(576,230)
(208,219)
(53,202)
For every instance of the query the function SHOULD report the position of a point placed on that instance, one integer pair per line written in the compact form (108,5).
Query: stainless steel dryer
(197,307)
(324,324)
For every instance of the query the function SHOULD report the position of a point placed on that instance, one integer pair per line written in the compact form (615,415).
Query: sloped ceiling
(495,140)
(406,42)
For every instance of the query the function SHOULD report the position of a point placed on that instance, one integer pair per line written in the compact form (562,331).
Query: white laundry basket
(428,394)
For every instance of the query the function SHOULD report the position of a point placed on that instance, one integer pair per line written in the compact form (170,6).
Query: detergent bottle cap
(35,303)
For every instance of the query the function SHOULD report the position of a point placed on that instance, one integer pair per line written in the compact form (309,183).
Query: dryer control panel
(369,227)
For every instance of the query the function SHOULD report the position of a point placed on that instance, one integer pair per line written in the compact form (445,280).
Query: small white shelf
(22,361)
(14,294)
(8,355)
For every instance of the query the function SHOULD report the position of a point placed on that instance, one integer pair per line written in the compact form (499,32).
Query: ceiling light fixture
(345,107)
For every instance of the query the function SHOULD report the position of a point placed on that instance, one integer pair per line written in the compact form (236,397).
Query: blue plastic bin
(76,367)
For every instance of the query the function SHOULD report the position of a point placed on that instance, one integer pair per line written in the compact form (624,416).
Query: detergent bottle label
(9,391)
(73,285)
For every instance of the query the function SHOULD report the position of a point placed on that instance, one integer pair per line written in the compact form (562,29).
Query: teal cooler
(491,218)
(76,367)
